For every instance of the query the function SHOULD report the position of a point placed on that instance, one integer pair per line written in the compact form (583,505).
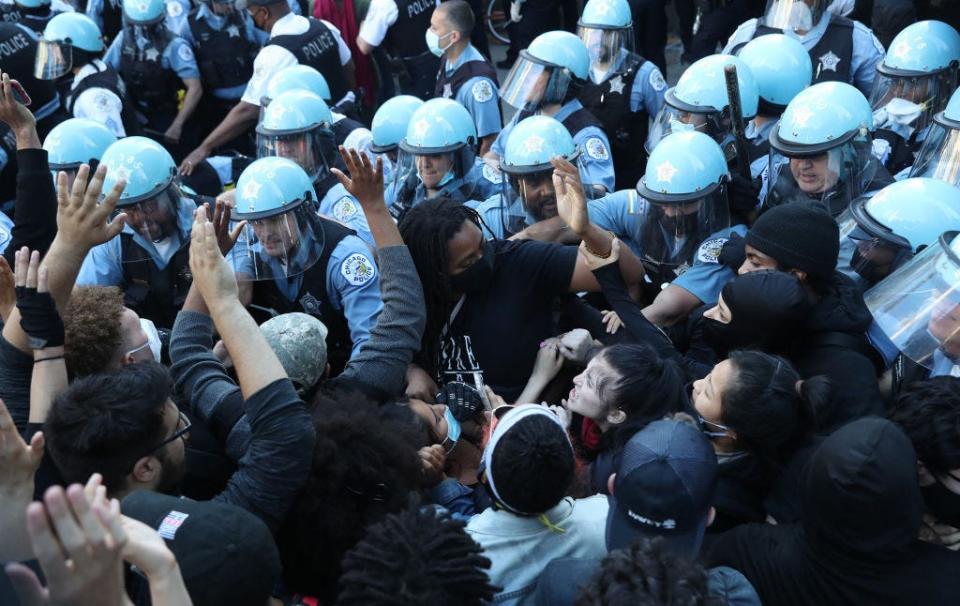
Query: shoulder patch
(345,209)
(482,91)
(491,174)
(358,269)
(597,149)
(184,52)
(4,237)
(101,101)
(709,251)
(174,9)
(657,81)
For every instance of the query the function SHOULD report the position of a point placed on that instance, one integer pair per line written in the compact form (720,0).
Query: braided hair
(426,229)
(417,556)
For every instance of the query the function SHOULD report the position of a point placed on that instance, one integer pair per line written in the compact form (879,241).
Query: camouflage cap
(300,342)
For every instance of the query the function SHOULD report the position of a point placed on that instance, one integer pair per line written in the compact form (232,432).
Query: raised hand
(226,237)
(83,221)
(18,460)
(38,311)
(211,274)
(571,200)
(13,113)
(365,182)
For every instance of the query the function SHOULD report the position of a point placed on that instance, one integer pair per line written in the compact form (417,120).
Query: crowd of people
(323,309)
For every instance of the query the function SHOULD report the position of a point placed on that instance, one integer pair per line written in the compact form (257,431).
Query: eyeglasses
(183,428)
(714,434)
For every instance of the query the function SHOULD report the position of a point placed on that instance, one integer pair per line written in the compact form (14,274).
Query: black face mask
(942,503)
(682,226)
(477,277)
(867,269)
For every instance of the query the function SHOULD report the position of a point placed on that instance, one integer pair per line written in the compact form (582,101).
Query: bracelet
(60,357)
(598,255)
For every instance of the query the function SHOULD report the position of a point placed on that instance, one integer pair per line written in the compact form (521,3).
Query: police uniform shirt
(758,137)
(707,276)
(273,58)
(596,163)
(178,56)
(97,103)
(353,281)
(478,94)
(490,210)
(216,22)
(103,265)
(381,14)
(867,50)
(176,19)
(338,204)
(6,231)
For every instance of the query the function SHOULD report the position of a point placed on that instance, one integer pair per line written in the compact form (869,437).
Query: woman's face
(433,416)
(719,312)
(433,168)
(584,398)
(708,392)
(813,174)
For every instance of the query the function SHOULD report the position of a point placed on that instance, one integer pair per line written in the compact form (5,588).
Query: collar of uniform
(759,134)
(95,66)
(290,24)
(468,54)
(567,110)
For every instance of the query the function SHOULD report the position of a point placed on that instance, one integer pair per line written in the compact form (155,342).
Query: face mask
(153,338)
(942,503)
(677,126)
(477,277)
(433,43)
(867,269)
(453,431)
(446,179)
(898,116)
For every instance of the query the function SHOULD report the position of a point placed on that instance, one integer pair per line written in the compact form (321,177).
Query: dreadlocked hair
(426,229)
(417,556)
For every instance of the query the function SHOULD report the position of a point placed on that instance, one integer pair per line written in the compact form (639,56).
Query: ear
(146,470)
(610,482)
(616,417)
(801,275)
(711,516)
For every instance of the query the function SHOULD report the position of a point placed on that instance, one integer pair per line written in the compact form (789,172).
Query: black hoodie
(856,543)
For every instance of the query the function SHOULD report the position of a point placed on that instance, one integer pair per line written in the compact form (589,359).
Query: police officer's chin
(545,210)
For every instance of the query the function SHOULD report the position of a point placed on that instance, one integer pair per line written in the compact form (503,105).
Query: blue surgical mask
(453,431)
(433,43)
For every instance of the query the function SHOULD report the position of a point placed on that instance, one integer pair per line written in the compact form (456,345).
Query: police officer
(939,157)
(155,63)
(914,82)
(840,49)
(389,126)
(297,126)
(781,68)
(224,42)
(34,14)
(293,40)
(108,15)
(917,308)
(821,150)
(149,259)
(69,52)
(74,142)
(546,79)
(880,233)
(300,261)
(437,158)
(398,26)
(465,75)
(624,90)
(303,77)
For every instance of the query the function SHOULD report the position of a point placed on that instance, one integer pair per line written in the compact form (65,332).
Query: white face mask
(898,115)
(677,126)
(433,43)
(153,337)
(597,73)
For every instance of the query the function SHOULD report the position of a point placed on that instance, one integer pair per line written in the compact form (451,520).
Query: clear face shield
(671,232)
(532,84)
(674,120)
(907,104)
(154,219)
(279,246)
(939,157)
(309,149)
(422,176)
(829,180)
(918,307)
(799,16)
(606,47)
(871,250)
(529,197)
(53,59)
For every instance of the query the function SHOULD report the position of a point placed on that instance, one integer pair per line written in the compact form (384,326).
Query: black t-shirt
(499,331)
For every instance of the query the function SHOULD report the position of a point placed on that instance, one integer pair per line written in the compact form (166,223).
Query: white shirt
(381,14)
(272,58)
(98,104)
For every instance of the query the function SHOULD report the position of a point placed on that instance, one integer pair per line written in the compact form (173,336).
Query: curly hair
(647,574)
(91,324)
(417,556)
(365,465)
(929,413)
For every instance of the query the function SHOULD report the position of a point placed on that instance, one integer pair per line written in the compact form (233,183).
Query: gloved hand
(743,193)
(733,253)
(515,15)
(463,400)
(38,312)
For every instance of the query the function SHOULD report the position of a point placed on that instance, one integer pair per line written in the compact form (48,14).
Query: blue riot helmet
(32,3)
(297,77)
(820,151)
(916,77)
(66,35)
(151,197)
(699,101)
(436,153)
(74,142)
(528,195)
(283,237)
(606,28)
(296,125)
(918,305)
(782,68)
(887,229)
(799,16)
(391,121)
(144,12)
(685,189)
(547,72)
(939,156)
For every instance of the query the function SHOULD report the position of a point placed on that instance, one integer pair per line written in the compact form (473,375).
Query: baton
(736,120)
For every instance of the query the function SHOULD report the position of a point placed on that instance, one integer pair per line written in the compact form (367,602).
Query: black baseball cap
(226,554)
(664,487)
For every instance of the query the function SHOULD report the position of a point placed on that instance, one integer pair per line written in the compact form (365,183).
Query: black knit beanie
(798,237)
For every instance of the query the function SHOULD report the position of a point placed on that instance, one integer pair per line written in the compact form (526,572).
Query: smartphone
(20,94)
